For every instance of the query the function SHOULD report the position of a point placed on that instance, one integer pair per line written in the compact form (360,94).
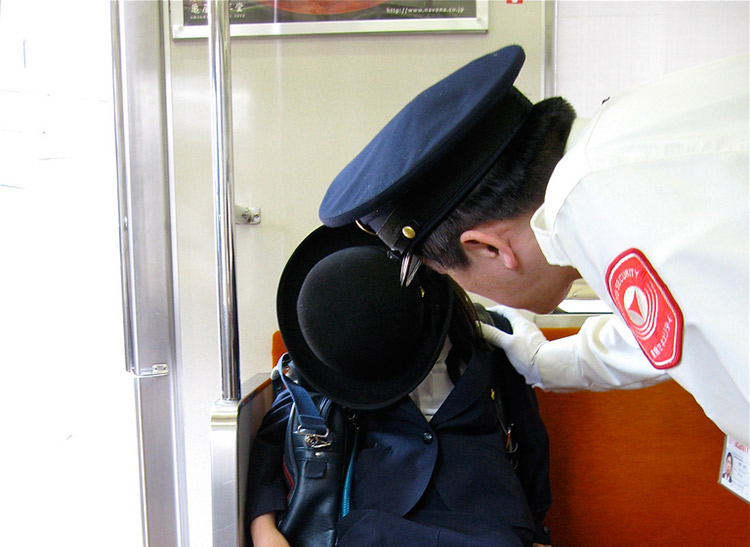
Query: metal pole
(549,77)
(223,161)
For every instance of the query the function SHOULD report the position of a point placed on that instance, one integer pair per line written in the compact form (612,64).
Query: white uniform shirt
(662,169)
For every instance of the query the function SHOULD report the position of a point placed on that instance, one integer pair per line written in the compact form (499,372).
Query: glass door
(70,468)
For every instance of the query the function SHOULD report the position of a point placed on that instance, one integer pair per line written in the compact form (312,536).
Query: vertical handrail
(223,161)
(549,74)
(123,189)
(224,416)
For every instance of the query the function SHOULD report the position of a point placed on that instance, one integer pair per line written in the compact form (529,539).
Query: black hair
(513,186)
(464,331)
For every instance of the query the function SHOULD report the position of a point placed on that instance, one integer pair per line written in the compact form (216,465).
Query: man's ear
(487,244)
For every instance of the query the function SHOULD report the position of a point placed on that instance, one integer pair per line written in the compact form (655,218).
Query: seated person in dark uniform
(436,462)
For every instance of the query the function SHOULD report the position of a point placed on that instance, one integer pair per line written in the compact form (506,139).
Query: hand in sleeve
(603,355)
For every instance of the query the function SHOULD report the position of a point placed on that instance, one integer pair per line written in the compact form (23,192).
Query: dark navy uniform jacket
(443,482)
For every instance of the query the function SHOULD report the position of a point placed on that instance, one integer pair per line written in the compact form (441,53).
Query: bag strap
(346,493)
(310,420)
(502,323)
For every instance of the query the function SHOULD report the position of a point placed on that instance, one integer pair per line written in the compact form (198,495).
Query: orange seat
(640,467)
(277,347)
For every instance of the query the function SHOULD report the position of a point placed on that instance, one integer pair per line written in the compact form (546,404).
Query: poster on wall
(189,18)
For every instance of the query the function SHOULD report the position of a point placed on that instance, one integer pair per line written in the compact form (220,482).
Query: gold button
(408,232)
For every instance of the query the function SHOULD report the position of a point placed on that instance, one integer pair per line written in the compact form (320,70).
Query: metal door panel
(147,272)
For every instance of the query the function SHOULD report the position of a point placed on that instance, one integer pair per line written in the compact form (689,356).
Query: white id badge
(735,468)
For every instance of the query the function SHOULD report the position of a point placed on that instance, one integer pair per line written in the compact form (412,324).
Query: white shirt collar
(434,389)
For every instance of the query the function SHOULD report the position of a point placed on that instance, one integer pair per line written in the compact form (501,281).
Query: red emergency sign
(648,308)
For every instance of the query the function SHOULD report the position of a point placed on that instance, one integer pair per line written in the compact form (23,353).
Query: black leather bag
(319,436)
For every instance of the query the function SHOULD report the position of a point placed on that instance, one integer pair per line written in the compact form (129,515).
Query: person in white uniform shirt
(647,202)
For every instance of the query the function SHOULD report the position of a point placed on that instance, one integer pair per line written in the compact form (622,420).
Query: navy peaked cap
(417,169)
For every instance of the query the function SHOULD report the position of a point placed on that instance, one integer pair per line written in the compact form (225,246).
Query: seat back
(234,425)
(252,409)
(637,467)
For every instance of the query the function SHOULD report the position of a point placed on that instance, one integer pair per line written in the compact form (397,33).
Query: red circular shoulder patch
(647,307)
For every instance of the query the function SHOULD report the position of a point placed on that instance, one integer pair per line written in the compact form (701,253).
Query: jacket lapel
(469,388)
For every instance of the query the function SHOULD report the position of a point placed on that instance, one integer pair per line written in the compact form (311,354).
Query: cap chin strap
(409,267)
(409,263)
(398,232)
(365,228)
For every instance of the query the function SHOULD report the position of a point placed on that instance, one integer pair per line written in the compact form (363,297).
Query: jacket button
(427,437)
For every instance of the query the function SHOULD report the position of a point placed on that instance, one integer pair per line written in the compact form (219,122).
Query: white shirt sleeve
(602,356)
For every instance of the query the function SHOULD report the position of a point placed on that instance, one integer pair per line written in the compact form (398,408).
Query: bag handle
(310,420)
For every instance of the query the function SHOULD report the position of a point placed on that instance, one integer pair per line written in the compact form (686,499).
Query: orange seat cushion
(640,467)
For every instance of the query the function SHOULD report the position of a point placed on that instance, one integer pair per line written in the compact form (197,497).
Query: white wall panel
(607,47)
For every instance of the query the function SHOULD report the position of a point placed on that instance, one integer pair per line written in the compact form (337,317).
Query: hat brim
(345,389)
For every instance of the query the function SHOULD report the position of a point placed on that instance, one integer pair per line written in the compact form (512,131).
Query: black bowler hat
(420,166)
(353,332)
